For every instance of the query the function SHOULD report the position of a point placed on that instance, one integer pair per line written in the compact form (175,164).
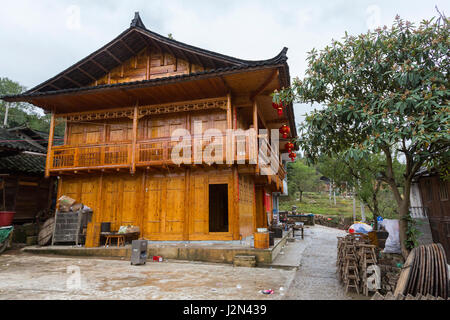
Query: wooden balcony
(158,152)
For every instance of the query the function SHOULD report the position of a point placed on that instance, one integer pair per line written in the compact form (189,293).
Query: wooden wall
(160,126)
(149,63)
(247,209)
(166,206)
(435,194)
(26,195)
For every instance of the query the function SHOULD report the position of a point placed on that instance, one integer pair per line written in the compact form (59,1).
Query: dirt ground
(27,276)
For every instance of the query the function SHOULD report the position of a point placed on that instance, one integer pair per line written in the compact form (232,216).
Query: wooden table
(297,228)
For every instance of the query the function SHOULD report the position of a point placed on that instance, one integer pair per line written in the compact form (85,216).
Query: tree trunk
(403,226)
(301,195)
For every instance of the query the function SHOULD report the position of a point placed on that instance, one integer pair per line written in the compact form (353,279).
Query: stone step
(244,261)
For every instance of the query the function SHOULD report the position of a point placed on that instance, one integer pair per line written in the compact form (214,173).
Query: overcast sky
(40,38)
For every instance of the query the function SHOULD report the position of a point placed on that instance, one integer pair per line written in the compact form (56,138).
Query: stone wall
(390,266)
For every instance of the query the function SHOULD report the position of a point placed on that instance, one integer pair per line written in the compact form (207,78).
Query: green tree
(385,91)
(301,178)
(19,113)
(363,177)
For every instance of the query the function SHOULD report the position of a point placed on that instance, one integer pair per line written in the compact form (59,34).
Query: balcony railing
(157,152)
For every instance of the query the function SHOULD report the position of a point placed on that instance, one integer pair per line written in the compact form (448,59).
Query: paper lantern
(289,146)
(284,131)
(278,107)
(292,155)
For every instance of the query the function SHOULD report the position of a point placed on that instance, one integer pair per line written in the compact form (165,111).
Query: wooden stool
(120,239)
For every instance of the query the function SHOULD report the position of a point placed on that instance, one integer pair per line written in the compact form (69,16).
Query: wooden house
(434,203)
(122,104)
(22,167)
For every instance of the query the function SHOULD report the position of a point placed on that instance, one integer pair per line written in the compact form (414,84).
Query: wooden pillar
(187,201)
(255,126)
(229,113)
(49,146)
(236,226)
(133,150)
(229,141)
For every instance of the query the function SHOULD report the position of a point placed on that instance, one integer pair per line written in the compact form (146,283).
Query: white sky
(39,39)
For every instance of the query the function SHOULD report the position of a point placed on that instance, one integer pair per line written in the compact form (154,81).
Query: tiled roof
(23,162)
(9,140)
(278,60)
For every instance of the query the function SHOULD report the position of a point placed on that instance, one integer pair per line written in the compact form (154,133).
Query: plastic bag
(393,240)
(360,227)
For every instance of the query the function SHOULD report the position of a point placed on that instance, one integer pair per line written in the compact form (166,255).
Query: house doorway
(218,208)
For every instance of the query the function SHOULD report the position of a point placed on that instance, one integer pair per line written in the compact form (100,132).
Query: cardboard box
(66,201)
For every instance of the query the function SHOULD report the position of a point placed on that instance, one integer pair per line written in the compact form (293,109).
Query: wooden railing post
(255,127)
(133,150)
(49,146)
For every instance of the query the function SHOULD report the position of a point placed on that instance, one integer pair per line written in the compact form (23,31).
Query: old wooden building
(22,167)
(435,204)
(123,103)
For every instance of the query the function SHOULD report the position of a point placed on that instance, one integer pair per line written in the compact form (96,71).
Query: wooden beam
(264,84)
(49,145)
(52,85)
(114,57)
(87,74)
(73,81)
(279,120)
(197,60)
(225,84)
(127,46)
(183,55)
(99,65)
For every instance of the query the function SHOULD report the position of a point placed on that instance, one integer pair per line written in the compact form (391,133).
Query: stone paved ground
(316,277)
(27,276)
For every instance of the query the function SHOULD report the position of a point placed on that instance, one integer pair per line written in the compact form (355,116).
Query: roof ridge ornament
(137,21)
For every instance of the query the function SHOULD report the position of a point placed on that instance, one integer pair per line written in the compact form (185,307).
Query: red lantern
(289,146)
(279,108)
(292,155)
(284,130)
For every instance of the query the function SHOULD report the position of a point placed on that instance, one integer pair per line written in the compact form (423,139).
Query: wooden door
(130,200)
(199,222)
(152,207)
(174,206)
(111,203)
(89,196)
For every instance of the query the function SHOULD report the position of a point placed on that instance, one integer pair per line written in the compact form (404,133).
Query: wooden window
(443,192)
